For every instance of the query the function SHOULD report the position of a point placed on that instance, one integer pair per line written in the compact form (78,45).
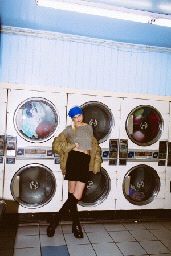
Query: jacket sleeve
(61,145)
(98,158)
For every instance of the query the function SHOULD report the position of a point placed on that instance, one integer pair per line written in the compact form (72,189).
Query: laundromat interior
(113,59)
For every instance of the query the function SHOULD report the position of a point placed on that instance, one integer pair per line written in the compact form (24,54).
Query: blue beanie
(75,111)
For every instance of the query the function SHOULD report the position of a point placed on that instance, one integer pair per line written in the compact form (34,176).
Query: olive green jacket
(61,146)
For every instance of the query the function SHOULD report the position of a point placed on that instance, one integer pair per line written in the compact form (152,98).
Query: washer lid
(97,189)
(100,117)
(144,125)
(33,185)
(141,184)
(36,119)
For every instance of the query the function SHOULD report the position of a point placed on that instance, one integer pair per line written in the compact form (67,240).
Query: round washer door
(33,185)
(36,119)
(97,189)
(144,125)
(141,185)
(100,117)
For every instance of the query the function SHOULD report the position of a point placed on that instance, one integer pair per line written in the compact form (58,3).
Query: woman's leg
(71,186)
(65,208)
(76,196)
(79,188)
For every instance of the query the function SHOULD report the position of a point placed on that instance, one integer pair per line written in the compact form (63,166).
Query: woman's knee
(71,186)
(77,195)
(79,188)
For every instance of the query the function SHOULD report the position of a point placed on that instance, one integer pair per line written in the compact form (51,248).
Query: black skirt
(77,166)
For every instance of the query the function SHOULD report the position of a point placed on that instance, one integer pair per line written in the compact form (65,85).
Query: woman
(79,153)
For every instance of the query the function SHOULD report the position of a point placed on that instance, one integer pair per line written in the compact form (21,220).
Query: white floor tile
(70,239)
(27,252)
(114,227)
(106,249)
(52,241)
(163,234)
(154,247)
(27,241)
(154,225)
(99,237)
(131,248)
(94,227)
(28,230)
(81,250)
(121,236)
(141,235)
(134,226)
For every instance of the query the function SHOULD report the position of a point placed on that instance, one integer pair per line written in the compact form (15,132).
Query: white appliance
(3,106)
(168,169)
(142,154)
(103,113)
(31,177)
(141,184)
(100,191)
(144,122)
(33,184)
(168,186)
(35,117)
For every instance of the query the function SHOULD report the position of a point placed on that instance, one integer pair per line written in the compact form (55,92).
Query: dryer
(35,117)
(144,123)
(141,181)
(168,169)
(103,113)
(3,104)
(33,181)
(100,191)
(168,179)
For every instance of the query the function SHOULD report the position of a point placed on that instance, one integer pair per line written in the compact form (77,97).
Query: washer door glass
(144,125)
(36,119)
(100,117)
(141,185)
(33,185)
(97,189)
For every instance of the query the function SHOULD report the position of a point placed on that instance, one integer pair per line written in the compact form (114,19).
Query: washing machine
(168,169)
(144,123)
(3,104)
(100,190)
(35,117)
(33,181)
(141,179)
(103,113)
(168,179)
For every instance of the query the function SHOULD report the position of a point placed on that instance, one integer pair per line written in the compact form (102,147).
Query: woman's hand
(77,145)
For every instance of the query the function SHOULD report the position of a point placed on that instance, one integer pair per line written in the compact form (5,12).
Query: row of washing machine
(134,134)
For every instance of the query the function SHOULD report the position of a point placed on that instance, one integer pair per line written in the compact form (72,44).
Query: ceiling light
(91,8)
(162,22)
(107,10)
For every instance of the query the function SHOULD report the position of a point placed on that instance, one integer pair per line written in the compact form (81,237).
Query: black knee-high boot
(76,226)
(54,222)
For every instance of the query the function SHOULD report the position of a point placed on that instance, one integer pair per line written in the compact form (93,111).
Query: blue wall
(61,61)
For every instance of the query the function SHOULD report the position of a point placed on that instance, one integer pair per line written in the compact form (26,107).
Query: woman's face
(77,119)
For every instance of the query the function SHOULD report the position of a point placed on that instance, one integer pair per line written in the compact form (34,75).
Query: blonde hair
(73,126)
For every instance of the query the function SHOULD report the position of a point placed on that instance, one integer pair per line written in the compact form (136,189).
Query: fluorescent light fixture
(107,10)
(162,22)
(92,9)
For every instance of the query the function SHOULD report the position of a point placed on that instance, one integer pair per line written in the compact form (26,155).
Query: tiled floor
(103,239)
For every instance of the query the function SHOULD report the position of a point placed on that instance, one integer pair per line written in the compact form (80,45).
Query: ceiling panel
(26,14)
